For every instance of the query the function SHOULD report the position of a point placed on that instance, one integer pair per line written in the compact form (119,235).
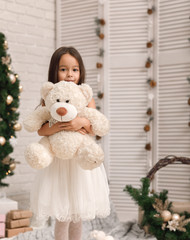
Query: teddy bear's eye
(67,101)
(58,100)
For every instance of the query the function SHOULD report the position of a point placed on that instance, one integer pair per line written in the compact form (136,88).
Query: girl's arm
(79,124)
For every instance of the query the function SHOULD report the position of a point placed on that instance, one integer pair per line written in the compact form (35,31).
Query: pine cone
(102,22)
(149,11)
(99,65)
(148,65)
(147,128)
(101,36)
(149,112)
(152,83)
(148,146)
(149,45)
(189,101)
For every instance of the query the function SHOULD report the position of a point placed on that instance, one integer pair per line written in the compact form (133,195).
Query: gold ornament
(17,127)
(13,109)
(2,140)
(12,78)
(166,215)
(5,45)
(12,166)
(9,99)
(20,88)
(176,217)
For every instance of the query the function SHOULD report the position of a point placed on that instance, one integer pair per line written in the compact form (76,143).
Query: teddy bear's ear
(87,91)
(46,87)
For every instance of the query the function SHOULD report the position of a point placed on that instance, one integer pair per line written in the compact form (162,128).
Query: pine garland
(153,204)
(9,102)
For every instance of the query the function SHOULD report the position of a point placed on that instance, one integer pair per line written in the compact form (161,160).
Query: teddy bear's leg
(39,155)
(90,155)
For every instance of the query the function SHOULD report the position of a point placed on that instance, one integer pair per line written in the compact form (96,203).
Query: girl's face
(68,69)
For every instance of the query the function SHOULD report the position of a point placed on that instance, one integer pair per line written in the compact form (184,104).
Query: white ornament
(13,141)
(175,216)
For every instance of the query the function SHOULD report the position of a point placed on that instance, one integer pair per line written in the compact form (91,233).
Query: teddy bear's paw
(38,156)
(90,157)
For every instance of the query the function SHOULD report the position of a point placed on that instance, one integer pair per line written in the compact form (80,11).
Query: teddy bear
(63,102)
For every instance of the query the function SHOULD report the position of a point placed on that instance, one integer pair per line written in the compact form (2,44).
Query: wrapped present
(25,222)
(2,225)
(7,204)
(16,231)
(2,230)
(19,214)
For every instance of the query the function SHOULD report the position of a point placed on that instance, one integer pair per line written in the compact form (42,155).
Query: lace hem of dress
(42,216)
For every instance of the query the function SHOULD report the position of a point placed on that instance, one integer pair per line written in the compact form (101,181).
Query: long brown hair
(54,64)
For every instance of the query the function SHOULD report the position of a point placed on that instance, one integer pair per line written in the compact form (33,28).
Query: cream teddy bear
(63,102)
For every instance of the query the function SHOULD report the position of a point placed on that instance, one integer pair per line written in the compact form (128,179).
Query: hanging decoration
(10,89)
(100,23)
(151,84)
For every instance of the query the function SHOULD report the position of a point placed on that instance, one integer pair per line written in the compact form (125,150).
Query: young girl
(64,190)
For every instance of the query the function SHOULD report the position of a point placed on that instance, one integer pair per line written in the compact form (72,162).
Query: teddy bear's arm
(100,124)
(34,120)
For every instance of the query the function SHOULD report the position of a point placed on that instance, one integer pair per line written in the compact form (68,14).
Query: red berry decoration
(99,65)
(147,128)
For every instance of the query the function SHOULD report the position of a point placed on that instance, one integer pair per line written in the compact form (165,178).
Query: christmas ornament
(175,216)
(147,128)
(2,140)
(13,109)
(12,78)
(99,65)
(148,146)
(17,127)
(100,95)
(149,111)
(12,166)
(152,83)
(100,21)
(20,88)
(5,45)
(149,44)
(9,99)
(166,215)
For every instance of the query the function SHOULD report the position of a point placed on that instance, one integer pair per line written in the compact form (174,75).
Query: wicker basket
(177,207)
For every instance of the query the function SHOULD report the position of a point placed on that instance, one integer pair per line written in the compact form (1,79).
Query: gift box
(16,231)
(19,214)
(7,204)
(25,222)
(2,225)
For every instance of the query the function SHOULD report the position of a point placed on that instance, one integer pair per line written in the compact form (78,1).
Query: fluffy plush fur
(63,101)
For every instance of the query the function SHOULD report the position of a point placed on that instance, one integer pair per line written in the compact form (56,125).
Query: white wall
(29,27)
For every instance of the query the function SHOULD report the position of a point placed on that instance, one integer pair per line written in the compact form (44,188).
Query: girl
(64,190)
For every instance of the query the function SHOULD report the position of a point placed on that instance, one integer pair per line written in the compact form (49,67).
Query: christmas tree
(9,102)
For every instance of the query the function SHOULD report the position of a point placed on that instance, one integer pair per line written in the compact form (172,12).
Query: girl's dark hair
(54,64)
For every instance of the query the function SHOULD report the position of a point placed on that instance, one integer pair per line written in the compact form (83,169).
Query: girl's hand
(75,125)
(45,130)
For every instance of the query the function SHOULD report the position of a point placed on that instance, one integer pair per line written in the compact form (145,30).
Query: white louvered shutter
(76,27)
(127,100)
(173,91)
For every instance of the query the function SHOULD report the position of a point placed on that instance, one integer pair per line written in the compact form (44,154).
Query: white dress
(67,192)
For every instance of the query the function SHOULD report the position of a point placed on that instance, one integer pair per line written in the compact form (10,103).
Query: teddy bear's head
(65,99)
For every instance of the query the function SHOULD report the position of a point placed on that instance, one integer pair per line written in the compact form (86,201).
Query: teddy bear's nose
(61,111)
